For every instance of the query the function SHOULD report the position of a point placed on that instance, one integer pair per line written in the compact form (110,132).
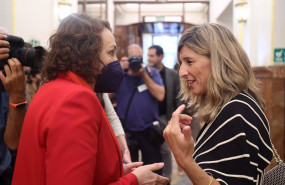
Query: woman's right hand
(146,176)
(178,136)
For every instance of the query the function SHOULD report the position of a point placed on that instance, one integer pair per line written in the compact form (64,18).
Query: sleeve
(225,154)
(129,179)
(72,141)
(156,77)
(4,107)
(112,116)
(177,89)
(234,144)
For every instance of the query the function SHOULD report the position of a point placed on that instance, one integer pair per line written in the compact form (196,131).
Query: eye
(189,62)
(112,52)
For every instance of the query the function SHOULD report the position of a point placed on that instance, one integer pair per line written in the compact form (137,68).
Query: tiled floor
(178,178)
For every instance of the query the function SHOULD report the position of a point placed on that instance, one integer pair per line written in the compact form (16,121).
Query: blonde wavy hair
(231,70)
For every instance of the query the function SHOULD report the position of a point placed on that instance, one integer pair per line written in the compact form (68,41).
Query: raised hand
(14,81)
(131,166)
(4,47)
(178,135)
(146,176)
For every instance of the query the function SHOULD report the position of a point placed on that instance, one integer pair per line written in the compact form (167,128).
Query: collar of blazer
(78,79)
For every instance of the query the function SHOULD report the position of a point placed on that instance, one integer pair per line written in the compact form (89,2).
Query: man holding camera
(137,102)
(12,108)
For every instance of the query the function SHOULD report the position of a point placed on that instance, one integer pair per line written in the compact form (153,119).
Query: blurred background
(259,25)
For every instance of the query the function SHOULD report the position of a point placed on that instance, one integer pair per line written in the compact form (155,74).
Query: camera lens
(135,63)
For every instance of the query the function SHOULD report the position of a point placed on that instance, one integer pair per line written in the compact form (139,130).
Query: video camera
(31,57)
(135,63)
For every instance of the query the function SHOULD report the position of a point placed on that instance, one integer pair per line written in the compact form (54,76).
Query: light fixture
(242,11)
(161,1)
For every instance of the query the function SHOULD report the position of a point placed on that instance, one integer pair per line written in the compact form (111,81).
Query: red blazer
(66,139)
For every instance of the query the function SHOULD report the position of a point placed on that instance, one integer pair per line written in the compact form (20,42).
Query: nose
(183,71)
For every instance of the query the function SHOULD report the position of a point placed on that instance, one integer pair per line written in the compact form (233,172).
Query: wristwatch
(18,105)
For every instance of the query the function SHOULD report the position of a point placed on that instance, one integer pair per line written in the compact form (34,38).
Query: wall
(279,24)
(31,22)
(131,18)
(226,17)
(110,13)
(257,32)
(6,15)
(216,8)
(272,85)
(32,19)
(196,18)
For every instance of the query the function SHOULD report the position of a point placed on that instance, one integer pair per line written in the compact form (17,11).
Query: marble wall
(272,84)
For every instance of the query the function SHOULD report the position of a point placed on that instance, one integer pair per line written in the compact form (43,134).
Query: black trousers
(150,152)
(6,177)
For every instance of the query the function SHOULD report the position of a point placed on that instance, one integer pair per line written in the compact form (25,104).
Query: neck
(159,67)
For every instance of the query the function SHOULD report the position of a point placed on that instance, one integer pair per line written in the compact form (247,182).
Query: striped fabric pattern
(235,147)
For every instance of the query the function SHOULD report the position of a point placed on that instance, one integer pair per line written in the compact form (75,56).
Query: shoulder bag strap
(275,154)
(128,107)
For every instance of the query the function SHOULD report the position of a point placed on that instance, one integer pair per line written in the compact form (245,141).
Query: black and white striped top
(235,148)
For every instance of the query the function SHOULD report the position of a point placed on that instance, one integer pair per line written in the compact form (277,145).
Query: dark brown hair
(75,46)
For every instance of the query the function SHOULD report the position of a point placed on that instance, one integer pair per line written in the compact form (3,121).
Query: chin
(197,92)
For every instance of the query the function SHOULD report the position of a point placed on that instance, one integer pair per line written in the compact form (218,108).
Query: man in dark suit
(169,104)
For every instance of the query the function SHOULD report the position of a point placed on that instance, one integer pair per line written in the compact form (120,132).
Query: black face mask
(110,78)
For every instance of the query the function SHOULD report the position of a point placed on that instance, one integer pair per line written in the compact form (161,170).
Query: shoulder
(242,104)
(173,74)
(154,71)
(69,93)
(171,71)
(243,111)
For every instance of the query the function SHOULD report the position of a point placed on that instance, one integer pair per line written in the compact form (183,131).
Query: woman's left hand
(179,137)
(131,166)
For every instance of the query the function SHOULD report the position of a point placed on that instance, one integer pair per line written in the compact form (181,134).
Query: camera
(135,63)
(31,57)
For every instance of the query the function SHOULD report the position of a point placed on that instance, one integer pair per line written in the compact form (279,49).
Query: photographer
(12,108)
(137,102)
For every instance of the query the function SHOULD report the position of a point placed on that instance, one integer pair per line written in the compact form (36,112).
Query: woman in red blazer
(66,137)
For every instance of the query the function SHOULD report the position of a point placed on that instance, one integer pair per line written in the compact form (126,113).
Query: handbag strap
(132,96)
(275,154)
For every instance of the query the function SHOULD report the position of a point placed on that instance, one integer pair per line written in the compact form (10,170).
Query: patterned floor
(179,178)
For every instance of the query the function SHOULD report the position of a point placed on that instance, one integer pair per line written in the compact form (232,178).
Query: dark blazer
(172,88)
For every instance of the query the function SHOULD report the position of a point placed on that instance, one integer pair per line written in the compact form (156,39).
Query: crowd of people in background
(84,117)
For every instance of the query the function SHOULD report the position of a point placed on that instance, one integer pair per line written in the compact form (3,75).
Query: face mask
(110,78)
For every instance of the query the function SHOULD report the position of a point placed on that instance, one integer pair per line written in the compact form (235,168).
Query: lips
(190,82)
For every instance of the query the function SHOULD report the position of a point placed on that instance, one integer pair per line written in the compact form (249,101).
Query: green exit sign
(34,42)
(279,56)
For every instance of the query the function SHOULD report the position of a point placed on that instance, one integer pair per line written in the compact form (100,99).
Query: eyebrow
(188,58)
(114,47)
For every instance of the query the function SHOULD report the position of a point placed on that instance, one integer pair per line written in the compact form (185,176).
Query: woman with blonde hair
(233,147)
